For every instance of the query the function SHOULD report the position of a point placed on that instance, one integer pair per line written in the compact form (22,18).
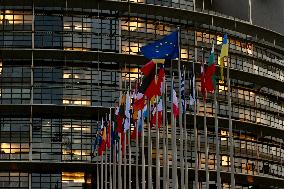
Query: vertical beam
(32,94)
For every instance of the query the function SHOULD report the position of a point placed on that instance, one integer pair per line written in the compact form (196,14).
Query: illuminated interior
(77,102)
(75,177)
(13,148)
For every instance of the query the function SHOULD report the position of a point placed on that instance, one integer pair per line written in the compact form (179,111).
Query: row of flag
(132,108)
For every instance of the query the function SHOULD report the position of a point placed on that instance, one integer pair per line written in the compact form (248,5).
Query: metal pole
(110,159)
(149,147)
(119,143)
(174,149)
(102,171)
(157,149)
(105,171)
(231,141)
(143,152)
(186,141)
(164,138)
(205,136)
(217,141)
(157,145)
(129,143)
(137,154)
(206,148)
(180,123)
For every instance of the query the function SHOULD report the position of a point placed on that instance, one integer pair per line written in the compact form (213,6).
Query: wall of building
(269,14)
(265,13)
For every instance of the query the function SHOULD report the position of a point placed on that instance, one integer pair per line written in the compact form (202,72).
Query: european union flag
(165,48)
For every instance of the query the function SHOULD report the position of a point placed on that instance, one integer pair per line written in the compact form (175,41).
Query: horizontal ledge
(46,167)
(96,112)
(53,111)
(120,58)
(258,129)
(59,167)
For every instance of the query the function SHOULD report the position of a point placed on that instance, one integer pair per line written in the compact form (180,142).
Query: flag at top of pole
(224,53)
(165,48)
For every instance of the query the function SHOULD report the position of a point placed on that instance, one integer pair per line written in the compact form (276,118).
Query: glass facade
(62,69)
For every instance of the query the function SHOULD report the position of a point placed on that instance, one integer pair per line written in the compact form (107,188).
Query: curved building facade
(64,64)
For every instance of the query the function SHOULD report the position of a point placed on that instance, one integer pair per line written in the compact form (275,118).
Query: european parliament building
(64,64)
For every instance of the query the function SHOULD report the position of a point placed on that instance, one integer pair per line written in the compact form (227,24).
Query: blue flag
(165,48)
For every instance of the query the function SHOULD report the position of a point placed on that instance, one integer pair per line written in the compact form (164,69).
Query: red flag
(210,71)
(122,142)
(108,135)
(139,102)
(155,86)
(148,68)
(119,119)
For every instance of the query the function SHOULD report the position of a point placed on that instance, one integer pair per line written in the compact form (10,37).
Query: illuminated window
(70,76)
(225,160)
(184,54)
(13,148)
(223,88)
(131,47)
(132,74)
(75,177)
(224,135)
(15,17)
(219,40)
(133,25)
(77,102)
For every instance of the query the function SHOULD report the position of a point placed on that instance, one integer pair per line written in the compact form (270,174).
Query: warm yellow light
(12,148)
(77,102)
(132,74)
(225,161)
(184,53)
(219,40)
(76,177)
(222,88)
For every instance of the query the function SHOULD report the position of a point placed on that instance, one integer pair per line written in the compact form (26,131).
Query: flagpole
(119,143)
(164,137)
(149,146)
(186,139)
(110,159)
(102,167)
(106,187)
(194,121)
(206,138)
(157,149)
(137,141)
(129,144)
(137,153)
(114,160)
(167,143)
(98,178)
(143,152)
(174,150)
(180,112)
(217,141)
(157,144)
(231,143)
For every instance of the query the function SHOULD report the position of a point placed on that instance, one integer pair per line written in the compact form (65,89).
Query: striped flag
(175,103)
